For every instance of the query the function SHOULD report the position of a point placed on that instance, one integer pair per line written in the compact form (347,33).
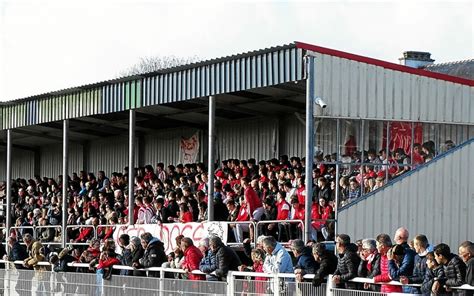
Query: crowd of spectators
(244,190)
(381,260)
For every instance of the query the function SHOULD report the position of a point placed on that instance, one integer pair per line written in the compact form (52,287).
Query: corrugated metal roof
(261,68)
(463,69)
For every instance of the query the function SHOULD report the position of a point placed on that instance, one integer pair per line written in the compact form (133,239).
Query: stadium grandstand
(291,170)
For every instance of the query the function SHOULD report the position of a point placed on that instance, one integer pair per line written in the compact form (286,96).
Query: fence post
(329,286)
(162,281)
(230,283)
(276,285)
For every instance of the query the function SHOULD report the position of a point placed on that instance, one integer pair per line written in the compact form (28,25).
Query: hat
(220,174)
(135,240)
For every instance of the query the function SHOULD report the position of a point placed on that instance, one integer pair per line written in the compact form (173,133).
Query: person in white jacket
(277,259)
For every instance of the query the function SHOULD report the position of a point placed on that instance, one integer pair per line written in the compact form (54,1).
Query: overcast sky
(47,46)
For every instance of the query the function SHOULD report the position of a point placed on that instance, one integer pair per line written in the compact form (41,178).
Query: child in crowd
(433,273)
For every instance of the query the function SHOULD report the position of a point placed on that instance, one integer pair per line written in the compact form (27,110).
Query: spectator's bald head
(401,235)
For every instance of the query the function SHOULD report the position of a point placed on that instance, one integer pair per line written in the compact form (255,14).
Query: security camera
(320,102)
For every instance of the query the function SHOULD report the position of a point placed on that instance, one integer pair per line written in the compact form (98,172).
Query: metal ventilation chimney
(416,59)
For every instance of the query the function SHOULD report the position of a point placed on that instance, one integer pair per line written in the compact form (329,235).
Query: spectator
(384,245)
(244,215)
(226,258)
(277,259)
(192,258)
(466,252)
(419,271)
(255,206)
(369,266)
(305,263)
(327,263)
(347,263)
(35,257)
(136,252)
(433,273)
(405,268)
(454,269)
(154,254)
(61,261)
(208,263)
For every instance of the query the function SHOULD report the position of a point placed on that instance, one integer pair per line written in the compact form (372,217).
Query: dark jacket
(136,255)
(454,272)
(62,265)
(226,259)
(327,266)
(306,262)
(154,256)
(208,264)
(363,270)
(470,275)
(126,260)
(406,267)
(347,266)
(419,272)
(428,280)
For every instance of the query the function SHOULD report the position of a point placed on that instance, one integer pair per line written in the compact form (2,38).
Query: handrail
(277,221)
(243,222)
(240,273)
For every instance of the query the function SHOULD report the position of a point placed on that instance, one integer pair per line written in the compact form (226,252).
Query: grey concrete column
(309,145)
(131,167)
(65,181)
(211,157)
(338,167)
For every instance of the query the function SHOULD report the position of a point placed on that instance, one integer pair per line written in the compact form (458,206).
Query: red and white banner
(189,149)
(168,232)
(401,133)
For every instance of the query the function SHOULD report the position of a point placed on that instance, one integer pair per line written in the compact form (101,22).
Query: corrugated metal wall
(109,155)
(245,139)
(23,164)
(51,161)
(165,146)
(436,200)
(240,72)
(359,90)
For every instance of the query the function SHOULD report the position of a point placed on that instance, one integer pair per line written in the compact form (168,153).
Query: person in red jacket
(319,214)
(254,202)
(384,244)
(297,213)
(185,214)
(243,215)
(192,258)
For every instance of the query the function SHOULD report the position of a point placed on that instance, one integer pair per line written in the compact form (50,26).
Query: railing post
(329,286)
(276,285)
(162,281)
(230,283)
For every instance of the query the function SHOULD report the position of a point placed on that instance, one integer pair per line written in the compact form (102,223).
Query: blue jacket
(278,262)
(306,262)
(208,263)
(405,269)
(419,272)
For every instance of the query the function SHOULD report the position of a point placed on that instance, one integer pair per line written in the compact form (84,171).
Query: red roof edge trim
(384,64)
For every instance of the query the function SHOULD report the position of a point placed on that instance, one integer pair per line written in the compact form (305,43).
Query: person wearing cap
(154,254)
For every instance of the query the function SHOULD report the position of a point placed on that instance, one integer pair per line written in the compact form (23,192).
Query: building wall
(51,159)
(359,90)
(436,200)
(23,164)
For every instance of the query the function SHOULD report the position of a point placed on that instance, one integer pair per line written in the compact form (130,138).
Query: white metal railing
(38,231)
(281,222)
(234,229)
(237,283)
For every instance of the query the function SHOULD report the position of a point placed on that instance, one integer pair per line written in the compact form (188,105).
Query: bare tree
(155,63)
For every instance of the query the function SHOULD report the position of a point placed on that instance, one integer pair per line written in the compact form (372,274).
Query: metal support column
(309,145)
(338,168)
(362,156)
(387,152)
(131,167)
(65,180)
(8,214)
(412,124)
(210,159)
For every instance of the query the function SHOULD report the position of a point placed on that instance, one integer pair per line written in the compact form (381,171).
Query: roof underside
(249,84)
